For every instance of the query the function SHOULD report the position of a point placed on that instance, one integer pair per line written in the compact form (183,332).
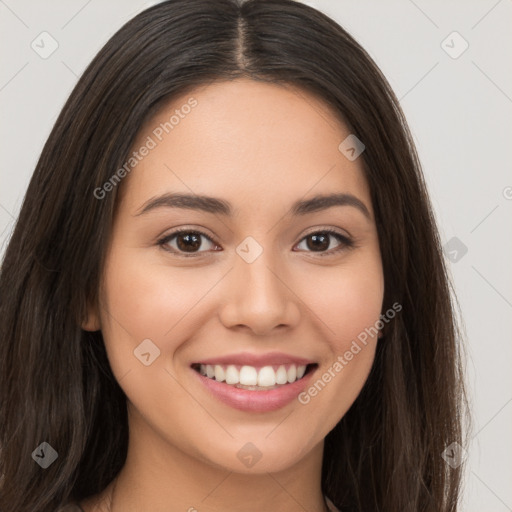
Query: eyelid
(327,229)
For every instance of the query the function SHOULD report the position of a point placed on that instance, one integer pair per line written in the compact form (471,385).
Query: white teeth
(292,373)
(232,375)
(248,376)
(281,375)
(264,377)
(219,373)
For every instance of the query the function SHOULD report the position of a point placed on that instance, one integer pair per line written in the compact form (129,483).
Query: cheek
(348,300)
(145,300)
(349,306)
(358,306)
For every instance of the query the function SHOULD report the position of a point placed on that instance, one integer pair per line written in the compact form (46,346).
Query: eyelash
(345,242)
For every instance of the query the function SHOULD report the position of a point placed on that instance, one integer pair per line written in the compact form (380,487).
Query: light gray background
(460,113)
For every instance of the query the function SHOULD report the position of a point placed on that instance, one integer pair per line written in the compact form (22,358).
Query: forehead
(246,141)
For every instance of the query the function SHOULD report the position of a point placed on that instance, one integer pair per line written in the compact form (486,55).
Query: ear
(92,321)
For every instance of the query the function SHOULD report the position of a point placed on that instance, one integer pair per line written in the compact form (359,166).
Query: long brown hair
(56,383)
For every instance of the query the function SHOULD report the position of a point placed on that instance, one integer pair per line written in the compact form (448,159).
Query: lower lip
(255,401)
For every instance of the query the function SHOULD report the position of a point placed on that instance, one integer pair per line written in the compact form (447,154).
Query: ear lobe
(92,321)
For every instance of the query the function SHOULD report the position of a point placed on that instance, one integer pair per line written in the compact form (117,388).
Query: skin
(260,146)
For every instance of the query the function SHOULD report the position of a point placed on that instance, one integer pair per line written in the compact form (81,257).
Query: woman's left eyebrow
(219,206)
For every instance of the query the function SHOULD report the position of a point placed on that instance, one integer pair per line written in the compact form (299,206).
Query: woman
(225,289)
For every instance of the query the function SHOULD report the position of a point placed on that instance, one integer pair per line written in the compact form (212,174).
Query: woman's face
(264,292)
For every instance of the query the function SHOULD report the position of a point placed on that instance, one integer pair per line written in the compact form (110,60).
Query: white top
(330,504)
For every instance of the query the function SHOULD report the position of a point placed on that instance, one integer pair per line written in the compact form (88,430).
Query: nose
(258,298)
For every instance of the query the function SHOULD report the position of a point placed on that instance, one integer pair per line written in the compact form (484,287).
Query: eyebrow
(221,207)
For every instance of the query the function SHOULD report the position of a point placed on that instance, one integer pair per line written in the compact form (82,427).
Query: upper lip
(246,358)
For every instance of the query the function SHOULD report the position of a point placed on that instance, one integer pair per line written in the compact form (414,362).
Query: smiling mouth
(254,378)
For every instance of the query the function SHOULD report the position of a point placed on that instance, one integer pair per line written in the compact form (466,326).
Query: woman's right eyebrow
(187,201)
(219,206)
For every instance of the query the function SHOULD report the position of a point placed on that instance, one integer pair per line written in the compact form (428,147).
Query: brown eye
(186,241)
(320,242)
